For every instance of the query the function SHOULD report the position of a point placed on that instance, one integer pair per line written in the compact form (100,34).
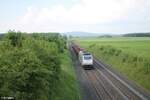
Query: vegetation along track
(101,83)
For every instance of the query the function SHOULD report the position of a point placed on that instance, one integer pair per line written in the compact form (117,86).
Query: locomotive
(85,58)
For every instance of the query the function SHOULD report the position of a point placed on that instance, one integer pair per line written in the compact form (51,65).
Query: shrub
(134,59)
(92,45)
(147,66)
(29,67)
(101,48)
(15,38)
(118,52)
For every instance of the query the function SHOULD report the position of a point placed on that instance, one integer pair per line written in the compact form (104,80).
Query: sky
(97,16)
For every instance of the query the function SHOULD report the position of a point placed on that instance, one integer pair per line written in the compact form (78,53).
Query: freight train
(85,58)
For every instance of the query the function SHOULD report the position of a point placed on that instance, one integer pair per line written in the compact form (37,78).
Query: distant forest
(137,35)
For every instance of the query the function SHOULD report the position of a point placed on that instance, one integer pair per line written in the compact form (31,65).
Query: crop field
(128,55)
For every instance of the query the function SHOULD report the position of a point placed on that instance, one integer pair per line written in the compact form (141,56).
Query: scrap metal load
(76,48)
(85,58)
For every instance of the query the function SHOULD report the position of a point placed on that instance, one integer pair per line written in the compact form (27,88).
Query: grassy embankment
(130,56)
(68,88)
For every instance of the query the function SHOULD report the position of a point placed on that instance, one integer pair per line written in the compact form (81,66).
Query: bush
(29,67)
(53,37)
(92,45)
(118,52)
(15,38)
(147,66)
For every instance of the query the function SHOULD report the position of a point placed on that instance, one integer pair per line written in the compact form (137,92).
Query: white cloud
(79,17)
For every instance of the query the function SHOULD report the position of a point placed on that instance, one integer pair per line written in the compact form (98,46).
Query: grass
(68,88)
(129,55)
(130,44)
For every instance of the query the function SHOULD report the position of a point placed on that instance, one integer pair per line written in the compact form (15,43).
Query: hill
(81,34)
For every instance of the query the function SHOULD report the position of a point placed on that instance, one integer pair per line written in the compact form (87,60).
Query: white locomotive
(85,59)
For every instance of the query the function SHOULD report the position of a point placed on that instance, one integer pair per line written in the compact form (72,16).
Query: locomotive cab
(86,59)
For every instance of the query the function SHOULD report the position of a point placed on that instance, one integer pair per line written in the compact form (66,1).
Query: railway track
(102,84)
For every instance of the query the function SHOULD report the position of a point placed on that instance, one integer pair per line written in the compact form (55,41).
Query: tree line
(30,65)
(137,35)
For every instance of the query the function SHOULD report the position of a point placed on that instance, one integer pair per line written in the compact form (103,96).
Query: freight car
(85,58)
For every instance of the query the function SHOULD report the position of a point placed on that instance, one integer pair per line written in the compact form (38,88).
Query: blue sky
(101,16)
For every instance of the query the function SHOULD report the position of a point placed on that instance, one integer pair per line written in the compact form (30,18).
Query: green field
(68,88)
(129,55)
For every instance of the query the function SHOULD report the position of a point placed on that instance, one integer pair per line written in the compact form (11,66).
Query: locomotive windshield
(87,56)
